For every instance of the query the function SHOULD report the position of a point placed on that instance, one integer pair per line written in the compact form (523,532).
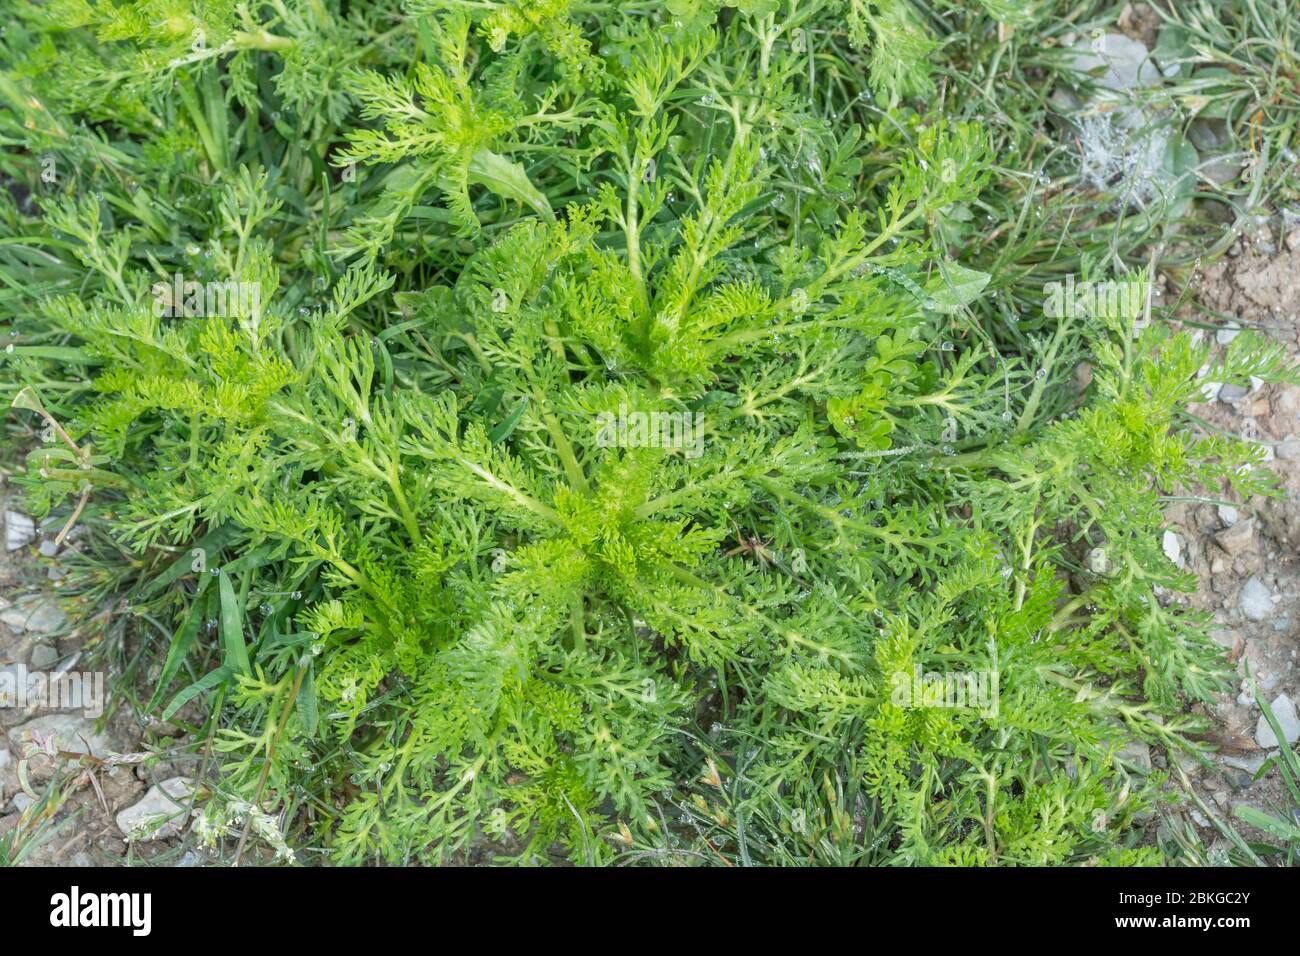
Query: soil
(1233,551)
(67,814)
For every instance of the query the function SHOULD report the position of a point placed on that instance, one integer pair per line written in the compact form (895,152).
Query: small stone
(21,802)
(1227,333)
(36,614)
(1211,390)
(1237,537)
(1228,515)
(1231,394)
(20,530)
(48,548)
(1225,637)
(1287,719)
(43,657)
(1246,697)
(1098,562)
(161,728)
(1246,767)
(1218,566)
(1187,763)
(1136,752)
(72,733)
(1172,547)
(1256,600)
(161,814)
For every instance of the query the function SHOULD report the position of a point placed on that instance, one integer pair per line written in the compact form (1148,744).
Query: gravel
(43,657)
(1287,718)
(1256,600)
(20,530)
(1237,537)
(72,733)
(37,615)
(162,812)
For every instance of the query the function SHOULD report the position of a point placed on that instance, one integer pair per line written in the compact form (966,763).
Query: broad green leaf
(180,643)
(508,180)
(194,559)
(28,399)
(953,287)
(206,682)
(232,627)
(503,430)
(1278,827)
(307,704)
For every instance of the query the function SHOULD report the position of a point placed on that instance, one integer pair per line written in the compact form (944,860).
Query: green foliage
(899,43)
(1277,825)
(623,412)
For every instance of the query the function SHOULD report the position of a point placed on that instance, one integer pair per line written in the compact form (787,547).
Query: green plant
(1185,844)
(35,826)
(1277,825)
(626,404)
